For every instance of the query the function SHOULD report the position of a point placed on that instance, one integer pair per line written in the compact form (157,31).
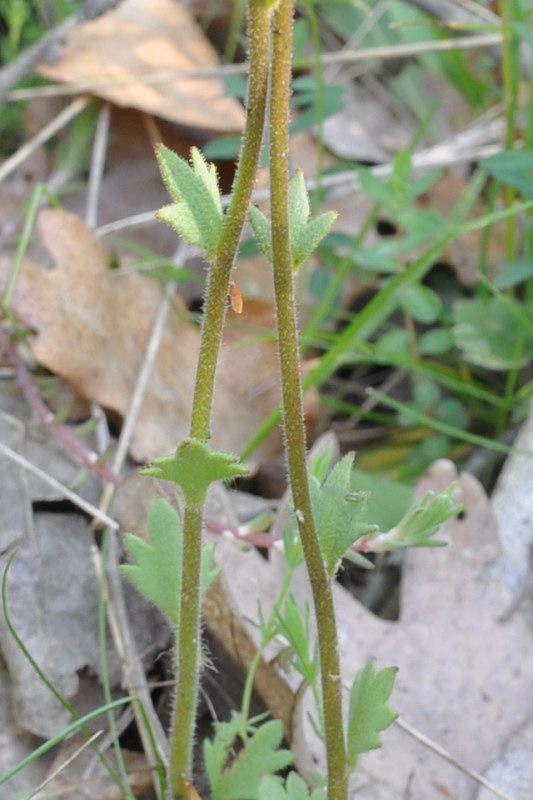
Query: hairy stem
(188,631)
(292,404)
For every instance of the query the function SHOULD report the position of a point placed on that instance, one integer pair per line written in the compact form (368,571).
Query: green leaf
(157,573)
(377,189)
(305,234)
(496,333)
(435,342)
(368,714)
(420,523)
(197,211)
(513,168)
(194,466)
(271,788)
(420,302)
(340,514)
(389,500)
(262,229)
(259,757)
(295,627)
(514,272)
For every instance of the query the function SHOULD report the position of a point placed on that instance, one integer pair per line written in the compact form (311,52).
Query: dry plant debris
(139,40)
(91,325)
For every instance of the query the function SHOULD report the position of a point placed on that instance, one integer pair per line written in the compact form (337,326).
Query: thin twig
(385,53)
(74,498)
(96,171)
(64,765)
(46,133)
(132,670)
(27,385)
(12,73)
(447,756)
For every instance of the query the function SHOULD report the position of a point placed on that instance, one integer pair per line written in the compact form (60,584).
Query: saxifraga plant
(173,569)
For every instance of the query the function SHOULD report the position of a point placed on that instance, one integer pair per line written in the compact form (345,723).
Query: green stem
(293,407)
(511,73)
(218,282)
(187,654)
(188,629)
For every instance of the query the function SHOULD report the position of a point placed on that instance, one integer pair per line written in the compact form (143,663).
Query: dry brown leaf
(92,325)
(141,39)
(365,129)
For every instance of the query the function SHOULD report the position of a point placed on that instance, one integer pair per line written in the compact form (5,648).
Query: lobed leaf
(258,758)
(304,234)
(194,466)
(340,514)
(271,788)
(368,713)
(262,230)
(157,573)
(197,211)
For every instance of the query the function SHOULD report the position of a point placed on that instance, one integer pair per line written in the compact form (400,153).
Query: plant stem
(218,280)
(188,629)
(293,407)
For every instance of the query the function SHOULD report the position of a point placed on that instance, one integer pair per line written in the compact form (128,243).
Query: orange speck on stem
(235,298)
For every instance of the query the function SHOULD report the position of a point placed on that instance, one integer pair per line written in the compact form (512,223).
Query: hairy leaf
(340,514)
(157,573)
(197,211)
(305,234)
(369,714)
(194,466)
(259,757)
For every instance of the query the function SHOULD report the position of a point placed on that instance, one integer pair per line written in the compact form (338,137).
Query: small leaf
(306,239)
(368,714)
(259,757)
(298,201)
(295,627)
(197,212)
(340,514)
(157,573)
(304,234)
(262,229)
(271,788)
(496,333)
(513,168)
(420,523)
(194,466)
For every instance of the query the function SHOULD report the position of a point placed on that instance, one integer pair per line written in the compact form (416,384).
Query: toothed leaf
(258,757)
(368,713)
(197,211)
(157,571)
(271,788)
(194,466)
(340,514)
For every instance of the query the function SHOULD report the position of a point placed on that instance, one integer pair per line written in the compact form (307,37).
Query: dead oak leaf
(91,325)
(136,41)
